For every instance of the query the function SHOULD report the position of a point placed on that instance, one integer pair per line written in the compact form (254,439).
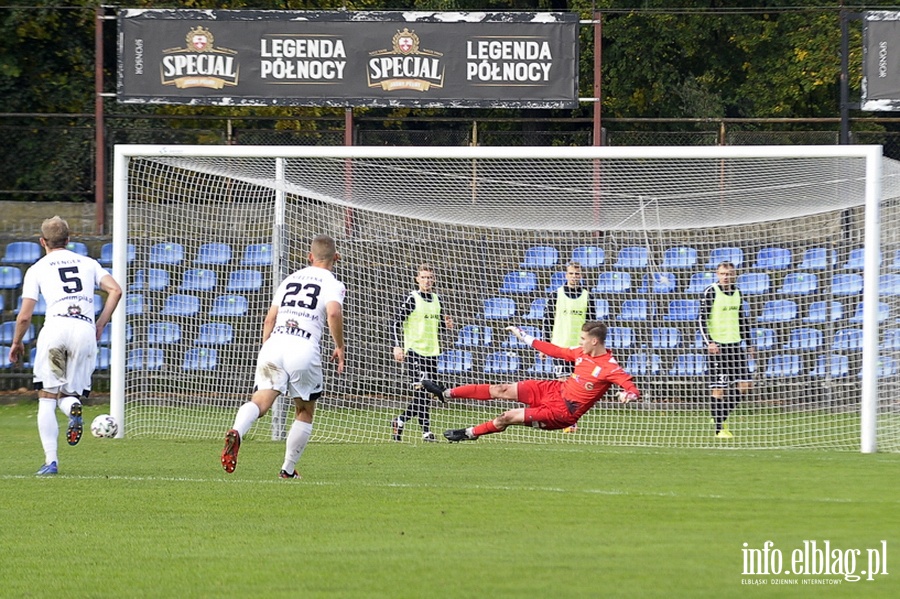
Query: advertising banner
(881,61)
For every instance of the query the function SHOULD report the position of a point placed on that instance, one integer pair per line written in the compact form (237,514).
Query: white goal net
(203,234)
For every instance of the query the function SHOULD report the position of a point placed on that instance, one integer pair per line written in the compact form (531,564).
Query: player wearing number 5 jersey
(289,362)
(66,350)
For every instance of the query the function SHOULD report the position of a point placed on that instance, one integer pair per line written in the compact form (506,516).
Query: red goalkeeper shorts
(546,408)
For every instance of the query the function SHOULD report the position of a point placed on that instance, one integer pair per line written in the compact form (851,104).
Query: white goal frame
(871,154)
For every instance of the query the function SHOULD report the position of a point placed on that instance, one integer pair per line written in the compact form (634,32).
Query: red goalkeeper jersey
(592,377)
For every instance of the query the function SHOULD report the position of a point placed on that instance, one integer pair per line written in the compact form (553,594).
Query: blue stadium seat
(799,283)
(643,364)
(683,310)
(106,335)
(2,304)
(818,259)
(891,340)
(619,337)
(145,359)
(153,279)
(213,253)
(819,312)
(136,304)
(838,366)
(735,255)
(884,312)
(588,256)
(229,305)
(658,282)
(198,279)
(636,309)
(501,362)
(179,304)
(557,280)
(499,308)
(200,358)
(778,311)
(847,340)
(665,338)
(540,256)
(783,366)
(887,367)
(700,281)
(804,339)
(519,281)
(454,361)
(689,365)
(167,252)
(846,284)
(8,330)
(473,335)
(4,357)
(679,258)
(215,333)
(773,258)
(763,338)
(22,252)
(244,280)
(257,254)
(106,254)
(40,308)
(856,259)
(513,342)
(537,309)
(634,257)
(77,247)
(601,309)
(895,265)
(543,366)
(103,357)
(753,283)
(889,284)
(10,277)
(163,333)
(613,282)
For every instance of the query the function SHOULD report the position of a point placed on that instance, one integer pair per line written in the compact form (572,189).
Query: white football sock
(246,416)
(65,404)
(48,429)
(297,439)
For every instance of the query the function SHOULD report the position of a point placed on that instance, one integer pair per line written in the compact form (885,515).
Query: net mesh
(213,236)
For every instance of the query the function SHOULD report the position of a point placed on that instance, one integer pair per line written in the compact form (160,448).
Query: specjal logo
(199,63)
(405,65)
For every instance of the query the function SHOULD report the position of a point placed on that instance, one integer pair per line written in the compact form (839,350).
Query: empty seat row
(153,358)
(197,279)
(259,254)
(180,304)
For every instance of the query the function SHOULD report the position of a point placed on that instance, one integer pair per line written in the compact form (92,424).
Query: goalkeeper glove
(521,335)
(627,396)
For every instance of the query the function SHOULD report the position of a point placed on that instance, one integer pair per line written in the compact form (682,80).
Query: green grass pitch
(159,518)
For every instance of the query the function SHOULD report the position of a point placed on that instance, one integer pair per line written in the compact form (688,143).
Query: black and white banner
(881,61)
(274,58)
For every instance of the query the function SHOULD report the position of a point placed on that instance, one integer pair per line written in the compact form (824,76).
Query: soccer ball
(104,426)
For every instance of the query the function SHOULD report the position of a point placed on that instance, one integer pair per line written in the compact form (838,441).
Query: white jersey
(67,281)
(301,299)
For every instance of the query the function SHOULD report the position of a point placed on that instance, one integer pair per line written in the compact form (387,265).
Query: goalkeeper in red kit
(551,404)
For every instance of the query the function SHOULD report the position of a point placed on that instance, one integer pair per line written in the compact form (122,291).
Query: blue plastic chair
(8,330)
(106,254)
(77,247)
(665,338)
(773,258)
(520,281)
(213,253)
(136,304)
(557,280)
(679,258)
(799,283)
(502,362)
(163,333)
(473,335)
(643,364)
(244,280)
(783,366)
(846,284)
(753,283)
(179,304)
(613,282)
(838,366)
(200,359)
(658,283)
(40,308)
(103,358)
(153,279)
(700,282)
(588,256)
(763,339)
(683,310)
(166,252)
(619,337)
(818,259)
(819,312)
(543,366)
(889,284)
(229,305)
(735,255)
(540,256)
(847,340)
(601,309)
(634,257)
(804,339)
(891,340)
(499,308)
(454,361)
(689,365)
(257,254)
(884,312)
(856,260)
(145,359)
(635,310)
(537,309)
(778,311)
(22,252)
(198,279)
(215,333)
(10,277)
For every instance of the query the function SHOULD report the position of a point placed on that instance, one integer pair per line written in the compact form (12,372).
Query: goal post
(499,225)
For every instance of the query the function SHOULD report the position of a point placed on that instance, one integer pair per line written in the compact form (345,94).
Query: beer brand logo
(199,63)
(405,66)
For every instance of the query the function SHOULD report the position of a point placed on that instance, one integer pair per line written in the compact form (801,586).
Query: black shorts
(728,366)
(420,367)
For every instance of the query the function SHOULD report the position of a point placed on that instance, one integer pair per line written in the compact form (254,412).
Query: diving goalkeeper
(551,404)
